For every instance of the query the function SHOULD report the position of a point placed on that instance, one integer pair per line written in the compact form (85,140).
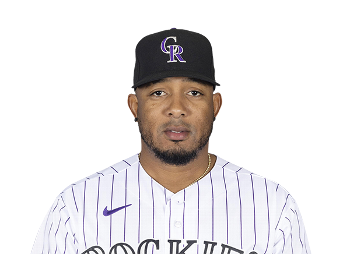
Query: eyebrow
(185,79)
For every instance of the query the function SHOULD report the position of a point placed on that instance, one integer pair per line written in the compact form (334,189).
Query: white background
(330,66)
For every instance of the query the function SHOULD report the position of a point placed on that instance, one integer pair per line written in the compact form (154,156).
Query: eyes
(160,93)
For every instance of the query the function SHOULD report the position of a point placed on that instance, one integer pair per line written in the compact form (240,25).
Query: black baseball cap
(174,53)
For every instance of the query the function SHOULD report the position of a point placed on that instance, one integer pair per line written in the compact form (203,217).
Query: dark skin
(175,113)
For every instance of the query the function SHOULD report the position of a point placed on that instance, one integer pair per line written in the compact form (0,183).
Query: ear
(133,104)
(217,102)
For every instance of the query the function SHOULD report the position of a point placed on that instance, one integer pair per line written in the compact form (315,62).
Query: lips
(177,129)
(177,133)
(177,136)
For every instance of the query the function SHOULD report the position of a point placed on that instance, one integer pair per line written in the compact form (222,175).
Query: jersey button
(178,224)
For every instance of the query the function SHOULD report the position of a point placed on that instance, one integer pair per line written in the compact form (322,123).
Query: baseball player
(173,197)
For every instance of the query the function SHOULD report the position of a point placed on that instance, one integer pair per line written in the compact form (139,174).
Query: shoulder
(247,180)
(74,198)
(228,166)
(115,169)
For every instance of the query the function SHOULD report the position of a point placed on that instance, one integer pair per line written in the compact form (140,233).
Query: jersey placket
(174,216)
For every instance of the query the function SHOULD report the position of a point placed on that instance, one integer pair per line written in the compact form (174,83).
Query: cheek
(205,114)
(148,120)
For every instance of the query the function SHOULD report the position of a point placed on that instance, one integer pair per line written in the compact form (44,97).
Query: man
(173,197)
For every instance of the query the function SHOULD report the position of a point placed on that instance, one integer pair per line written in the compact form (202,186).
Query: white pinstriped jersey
(123,210)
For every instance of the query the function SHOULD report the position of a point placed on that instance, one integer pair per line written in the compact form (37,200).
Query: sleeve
(55,234)
(290,231)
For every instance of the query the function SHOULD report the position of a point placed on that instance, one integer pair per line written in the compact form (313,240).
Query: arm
(55,234)
(290,230)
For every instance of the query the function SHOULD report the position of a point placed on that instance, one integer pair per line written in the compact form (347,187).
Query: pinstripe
(125,197)
(74,198)
(55,206)
(240,208)
(59,223)
(65,243)
(225,164)
(165,195)
(114,169)
(84,214)
(169,217)
(62,199)
(282,210)
(284,240)
(126,162)
(49,235)
(50,227)
(305,243)
(228,208)
(253,193)
(138,183)
(197,215)
(42,251)
(110,217)
(291,234)
(212,206)
(223,177)
(98,198)
(268,216)
(153,212)
(183,216)
(296,214)
(152,207)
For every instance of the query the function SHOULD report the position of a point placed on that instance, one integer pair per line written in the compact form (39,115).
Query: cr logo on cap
(174,50)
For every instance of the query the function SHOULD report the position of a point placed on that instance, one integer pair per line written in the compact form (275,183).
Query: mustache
(180,123)
(176,123)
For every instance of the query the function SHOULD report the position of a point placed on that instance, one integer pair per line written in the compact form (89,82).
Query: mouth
(177,133)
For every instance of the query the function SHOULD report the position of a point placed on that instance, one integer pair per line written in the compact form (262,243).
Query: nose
(177,106)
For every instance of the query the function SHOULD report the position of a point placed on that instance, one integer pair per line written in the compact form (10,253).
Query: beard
(178,156)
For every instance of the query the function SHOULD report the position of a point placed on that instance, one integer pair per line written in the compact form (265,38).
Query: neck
(172,177)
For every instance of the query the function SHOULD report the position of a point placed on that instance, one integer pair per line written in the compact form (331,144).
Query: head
(174,100)
(175,117)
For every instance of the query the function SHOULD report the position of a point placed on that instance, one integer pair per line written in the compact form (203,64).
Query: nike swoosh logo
(108,213)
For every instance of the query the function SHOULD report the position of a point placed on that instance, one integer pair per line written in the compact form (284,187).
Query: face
(175,117)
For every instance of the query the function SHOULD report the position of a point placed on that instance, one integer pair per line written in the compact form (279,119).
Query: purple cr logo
(174,50)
